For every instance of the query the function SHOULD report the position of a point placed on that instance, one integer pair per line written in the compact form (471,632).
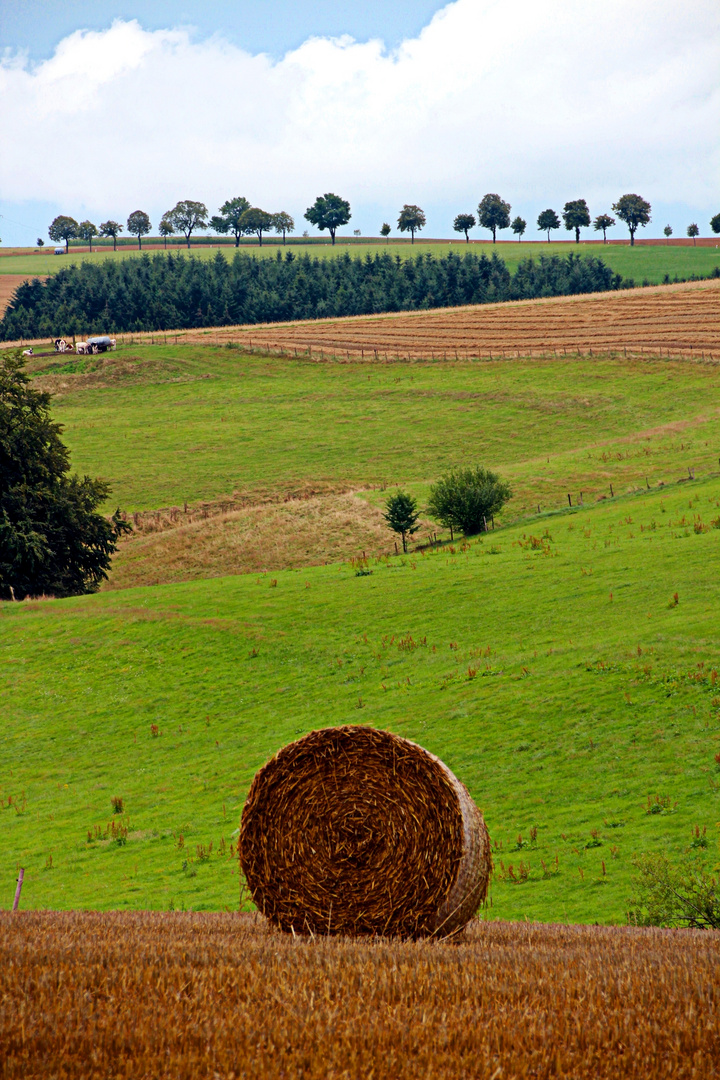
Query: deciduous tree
(166,228)
(283,223)
(694,232)
(465,499)
(668,233)
(328,212)
(187,216)
(519,226)
(401,514)
(63,228)
(138,224)
(602,223)
(52,540)
(493,213)
(411,219)
(86,231)
(463,223)
(634,211)
(111,228)
(576,216)
(715,223)
(256,221)
(227,219)
(385,230)
(548,221)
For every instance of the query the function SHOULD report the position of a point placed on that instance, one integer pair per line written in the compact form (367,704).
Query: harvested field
(8,284)
(677,320)
(220,995)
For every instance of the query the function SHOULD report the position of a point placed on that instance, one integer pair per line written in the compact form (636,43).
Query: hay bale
(352,830)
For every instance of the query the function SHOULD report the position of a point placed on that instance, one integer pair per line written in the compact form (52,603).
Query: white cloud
(538,99)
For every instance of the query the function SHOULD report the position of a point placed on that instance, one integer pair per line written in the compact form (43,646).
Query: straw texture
(352,830)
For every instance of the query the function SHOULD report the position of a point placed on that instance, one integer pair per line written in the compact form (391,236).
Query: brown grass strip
(353,830)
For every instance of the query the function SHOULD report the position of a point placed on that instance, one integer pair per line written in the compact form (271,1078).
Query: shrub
(465,499)
(674,895)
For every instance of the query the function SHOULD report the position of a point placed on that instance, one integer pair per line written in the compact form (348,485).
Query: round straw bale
(352,830)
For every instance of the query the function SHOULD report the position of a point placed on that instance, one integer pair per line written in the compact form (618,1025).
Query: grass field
(85,995)
(651,262)
(573,693)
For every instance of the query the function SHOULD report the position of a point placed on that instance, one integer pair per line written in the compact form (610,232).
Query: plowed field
(680,320)
(191,996)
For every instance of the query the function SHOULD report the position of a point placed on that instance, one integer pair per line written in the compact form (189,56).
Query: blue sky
(272,26)
(108,107)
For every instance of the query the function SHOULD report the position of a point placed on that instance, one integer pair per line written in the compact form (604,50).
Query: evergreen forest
(163,292)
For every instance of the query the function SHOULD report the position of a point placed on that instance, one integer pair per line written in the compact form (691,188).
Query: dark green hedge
(163,292)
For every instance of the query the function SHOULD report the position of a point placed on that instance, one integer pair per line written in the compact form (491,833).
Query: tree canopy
(52,540)
(602,223)
(166,228)
(138,224)
(715,223)
(466,499)
(463,223)
(227,219)
(186,216)
(411,219)
(548,221)
(283,223)
(576,216)
(63,228)
(519,226)
(401,514)
(86,231)
(634,211)
(493,214)
(256,221)
(111,228)
(328,212)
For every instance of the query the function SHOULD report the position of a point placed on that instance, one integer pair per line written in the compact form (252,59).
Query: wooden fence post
(16,901)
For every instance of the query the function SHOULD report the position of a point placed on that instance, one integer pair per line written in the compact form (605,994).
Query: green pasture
(649,263)
(169,424)
(565,668)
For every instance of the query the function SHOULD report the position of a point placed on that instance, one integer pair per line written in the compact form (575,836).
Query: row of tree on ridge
(238,218)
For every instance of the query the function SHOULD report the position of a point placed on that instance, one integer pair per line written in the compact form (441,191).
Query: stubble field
(221,997)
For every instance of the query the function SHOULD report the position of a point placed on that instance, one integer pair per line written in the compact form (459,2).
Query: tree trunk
(260,237)
(577,234)
(548,236)
(412,236)
(404,545)
(493,232)
(67,244)
(139,242)
(283,238)
(114,243)
(467,238)
(332,234)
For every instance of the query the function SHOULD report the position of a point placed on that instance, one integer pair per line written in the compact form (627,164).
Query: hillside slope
(566,669)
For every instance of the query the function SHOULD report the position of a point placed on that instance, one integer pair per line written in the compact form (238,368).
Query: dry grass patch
(264,536)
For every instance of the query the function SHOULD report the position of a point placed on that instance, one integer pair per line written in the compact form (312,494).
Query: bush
(674,895)
(466,499)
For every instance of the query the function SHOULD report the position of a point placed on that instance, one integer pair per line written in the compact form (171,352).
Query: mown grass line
(564,686)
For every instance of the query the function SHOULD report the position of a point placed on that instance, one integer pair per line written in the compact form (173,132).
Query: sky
(112,106)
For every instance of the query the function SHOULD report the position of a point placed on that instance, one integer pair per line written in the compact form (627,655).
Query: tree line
(167,292)
(236,217)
